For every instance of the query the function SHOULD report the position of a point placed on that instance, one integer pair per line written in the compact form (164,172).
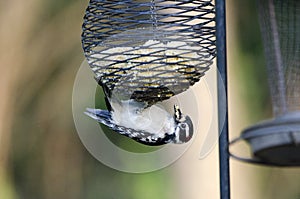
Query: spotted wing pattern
(104,117)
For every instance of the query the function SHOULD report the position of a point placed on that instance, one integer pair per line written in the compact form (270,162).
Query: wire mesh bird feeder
(152,50)
(277,141)
(149,50)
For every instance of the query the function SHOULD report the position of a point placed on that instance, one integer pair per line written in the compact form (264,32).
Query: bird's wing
(104,117)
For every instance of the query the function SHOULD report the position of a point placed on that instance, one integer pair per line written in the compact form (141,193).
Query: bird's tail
(99,115)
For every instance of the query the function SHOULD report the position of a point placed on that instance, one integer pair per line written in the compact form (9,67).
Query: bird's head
(184,126)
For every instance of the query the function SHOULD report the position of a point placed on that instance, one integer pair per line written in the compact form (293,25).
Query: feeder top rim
(291,118)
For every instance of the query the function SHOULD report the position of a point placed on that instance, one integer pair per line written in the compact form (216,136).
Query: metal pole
(222,67)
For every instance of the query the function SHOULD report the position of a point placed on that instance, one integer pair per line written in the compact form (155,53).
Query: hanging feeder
(277,141)
(152,50)
(149,50)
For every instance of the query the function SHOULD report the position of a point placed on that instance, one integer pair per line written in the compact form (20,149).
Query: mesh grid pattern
(280,25)
(149,50)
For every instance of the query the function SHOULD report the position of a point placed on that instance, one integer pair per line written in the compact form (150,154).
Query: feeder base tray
(276,142)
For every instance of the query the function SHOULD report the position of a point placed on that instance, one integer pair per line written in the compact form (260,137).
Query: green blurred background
(41,155)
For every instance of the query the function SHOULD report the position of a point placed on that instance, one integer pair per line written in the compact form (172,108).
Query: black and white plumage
(150,126)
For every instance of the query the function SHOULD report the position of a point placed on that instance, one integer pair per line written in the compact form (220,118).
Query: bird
(152,126)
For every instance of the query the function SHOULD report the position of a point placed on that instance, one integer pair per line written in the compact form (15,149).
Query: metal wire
(222,69)
(252,159)
(149,50)
(280,27)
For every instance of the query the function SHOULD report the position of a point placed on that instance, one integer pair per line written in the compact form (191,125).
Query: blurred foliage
(251,72)
(46,158)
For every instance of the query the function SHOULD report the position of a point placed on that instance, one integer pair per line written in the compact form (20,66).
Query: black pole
(222,67)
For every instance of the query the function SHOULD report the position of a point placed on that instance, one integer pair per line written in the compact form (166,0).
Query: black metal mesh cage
(149,50)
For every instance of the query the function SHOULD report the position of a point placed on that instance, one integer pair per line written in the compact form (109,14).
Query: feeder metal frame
(149,51)
(224,169)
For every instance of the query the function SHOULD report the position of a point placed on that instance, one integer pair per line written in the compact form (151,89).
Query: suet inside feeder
(149,51)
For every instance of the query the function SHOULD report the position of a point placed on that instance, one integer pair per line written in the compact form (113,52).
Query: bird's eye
(182,125)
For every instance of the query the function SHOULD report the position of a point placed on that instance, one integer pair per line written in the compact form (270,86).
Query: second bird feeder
(277,141)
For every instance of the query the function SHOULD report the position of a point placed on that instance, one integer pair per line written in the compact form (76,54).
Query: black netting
(280,25)
(149,50)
